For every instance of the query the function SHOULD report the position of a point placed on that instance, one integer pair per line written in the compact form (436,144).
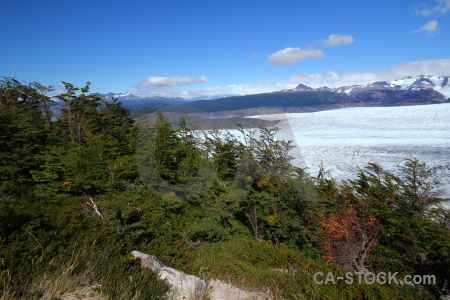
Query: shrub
(207,231)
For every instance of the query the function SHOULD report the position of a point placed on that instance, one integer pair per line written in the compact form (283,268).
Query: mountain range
(156,99)
(423,89)
(407,91)
(440,84)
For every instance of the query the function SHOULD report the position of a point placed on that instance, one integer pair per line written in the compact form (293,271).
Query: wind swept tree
(171,159)
(416,183)
(271,153)
(94,153)
(22,134)
(79,107)
(45,102)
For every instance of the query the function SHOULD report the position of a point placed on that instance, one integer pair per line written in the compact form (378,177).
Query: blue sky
(193,48)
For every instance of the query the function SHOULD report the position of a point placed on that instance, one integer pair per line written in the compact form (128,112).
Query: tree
(45,102)
(94,152)
(410,235)
(416,183)
(349,238)
(171,160)
(166,143)
(78,110)
(22,134)
(114,121)
(225,152)
(271,155)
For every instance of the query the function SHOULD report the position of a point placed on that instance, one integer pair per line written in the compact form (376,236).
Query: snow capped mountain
(440,84)
(121,96)
(209,97)
(129,96)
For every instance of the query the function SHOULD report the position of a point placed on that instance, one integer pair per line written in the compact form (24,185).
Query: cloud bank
(438,8)
(163,82)
(435,67)
(330,78)
(290,55)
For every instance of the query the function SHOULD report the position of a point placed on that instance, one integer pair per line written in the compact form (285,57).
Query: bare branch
(94,206)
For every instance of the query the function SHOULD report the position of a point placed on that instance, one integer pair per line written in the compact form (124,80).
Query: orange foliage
(349,238)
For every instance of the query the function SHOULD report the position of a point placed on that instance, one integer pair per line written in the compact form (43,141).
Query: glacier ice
(345,139)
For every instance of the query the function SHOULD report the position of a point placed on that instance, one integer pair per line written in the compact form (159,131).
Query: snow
(405,83)
(345,139)
(437,81)
(123,95)
(348,91)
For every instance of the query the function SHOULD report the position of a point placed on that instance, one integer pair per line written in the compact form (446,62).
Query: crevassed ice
(345,139)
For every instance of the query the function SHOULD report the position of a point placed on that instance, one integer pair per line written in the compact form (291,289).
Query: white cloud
(435,67)
(332,79)
(226,90)
(439,7)
(290,55)
(335,40)
(422,67)
(313,77)
(430,28)
(163,82)
(233,89)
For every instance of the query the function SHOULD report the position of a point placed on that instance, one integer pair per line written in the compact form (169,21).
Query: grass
(66,279)
(64,249)
(117,277)
(259,267)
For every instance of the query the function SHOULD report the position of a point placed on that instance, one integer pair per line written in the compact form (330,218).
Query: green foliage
(415,184)
(53,234)
(78,112)
(272,154)
(12,217)
(286,273)
(124,279)
(218,206)
(225,150)
(94,149)
(169,160)
(410,238)
(207,231)
(22,135)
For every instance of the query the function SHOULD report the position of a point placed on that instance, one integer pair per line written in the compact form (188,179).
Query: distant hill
(143,105)
(309,101)
(419,90)
(283,101)
(423,89)
(440,84)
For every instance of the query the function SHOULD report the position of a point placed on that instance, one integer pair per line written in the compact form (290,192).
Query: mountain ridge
(418,90)
(312,101)
(440,84)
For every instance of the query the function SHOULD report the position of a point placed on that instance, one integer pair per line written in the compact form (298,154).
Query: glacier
(345,139)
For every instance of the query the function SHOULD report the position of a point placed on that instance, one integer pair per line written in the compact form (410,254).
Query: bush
(287,273)
(207,231)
